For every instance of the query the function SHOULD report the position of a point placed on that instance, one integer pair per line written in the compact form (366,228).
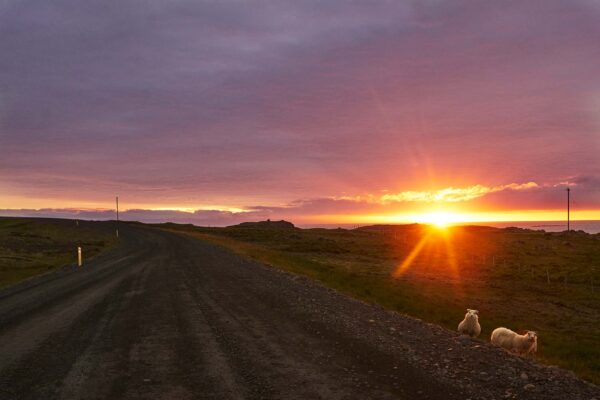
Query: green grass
(502,272)
(30,247)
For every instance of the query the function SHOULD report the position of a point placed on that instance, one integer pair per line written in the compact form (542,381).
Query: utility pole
(117,216)
(568,209)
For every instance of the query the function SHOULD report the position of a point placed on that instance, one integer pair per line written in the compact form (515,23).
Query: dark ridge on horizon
(286,225)
(268,224)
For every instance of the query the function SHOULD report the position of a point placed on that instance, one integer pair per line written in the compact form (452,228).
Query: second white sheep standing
(470,325)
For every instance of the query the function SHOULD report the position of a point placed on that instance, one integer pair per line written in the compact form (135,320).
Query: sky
(313,111)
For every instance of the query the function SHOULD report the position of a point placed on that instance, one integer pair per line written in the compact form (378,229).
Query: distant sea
(548,226)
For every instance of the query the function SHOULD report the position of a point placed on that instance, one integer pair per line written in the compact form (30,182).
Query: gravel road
(169,317)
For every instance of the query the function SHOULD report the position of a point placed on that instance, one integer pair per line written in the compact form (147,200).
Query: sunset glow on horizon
(443,219)
(443,207)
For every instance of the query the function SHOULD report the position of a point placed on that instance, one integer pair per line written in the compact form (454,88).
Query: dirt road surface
(169,317)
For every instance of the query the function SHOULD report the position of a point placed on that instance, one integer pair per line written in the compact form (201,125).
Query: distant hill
(268,224)
(389,227)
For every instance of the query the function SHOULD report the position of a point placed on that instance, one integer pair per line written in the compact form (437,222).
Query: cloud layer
(476,203)
(187,104)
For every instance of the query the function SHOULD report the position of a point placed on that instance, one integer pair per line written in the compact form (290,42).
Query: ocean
(549,226)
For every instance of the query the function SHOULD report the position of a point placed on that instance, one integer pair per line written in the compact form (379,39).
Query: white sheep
(512,341)
(470,325)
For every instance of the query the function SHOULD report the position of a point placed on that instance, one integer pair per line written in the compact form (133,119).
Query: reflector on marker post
(79,258)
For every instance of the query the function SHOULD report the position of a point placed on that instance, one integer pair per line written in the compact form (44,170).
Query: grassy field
(29,246)
(521,279)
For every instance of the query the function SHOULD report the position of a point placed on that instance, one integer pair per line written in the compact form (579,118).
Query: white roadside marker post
(117,199)
(79,258)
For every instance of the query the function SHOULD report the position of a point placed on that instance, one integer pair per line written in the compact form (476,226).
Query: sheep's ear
(469,310)
(476,312)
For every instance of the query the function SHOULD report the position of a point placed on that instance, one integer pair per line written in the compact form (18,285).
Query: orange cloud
(446,195)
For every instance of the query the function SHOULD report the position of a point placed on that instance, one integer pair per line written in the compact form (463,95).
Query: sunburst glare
(434,254)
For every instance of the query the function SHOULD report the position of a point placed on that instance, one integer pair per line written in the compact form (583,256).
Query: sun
(439,219)
(441,223)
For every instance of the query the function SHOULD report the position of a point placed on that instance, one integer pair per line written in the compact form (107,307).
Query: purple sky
(297,108)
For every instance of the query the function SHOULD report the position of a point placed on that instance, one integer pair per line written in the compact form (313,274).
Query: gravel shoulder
(170,317)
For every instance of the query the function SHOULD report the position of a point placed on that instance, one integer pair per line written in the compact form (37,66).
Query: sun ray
(453,265)
(412,255)
(438,257)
